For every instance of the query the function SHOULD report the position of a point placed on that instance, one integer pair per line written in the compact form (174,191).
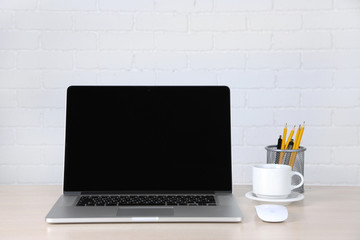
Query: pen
(283,143)
(290,147)
(291,144)
(279,142)
(278,147)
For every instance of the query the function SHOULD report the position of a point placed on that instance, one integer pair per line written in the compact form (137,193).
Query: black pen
(279,143)
(290,147)
(278,147)
(291,144)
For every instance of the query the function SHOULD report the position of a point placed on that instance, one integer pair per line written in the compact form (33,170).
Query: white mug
(274,180)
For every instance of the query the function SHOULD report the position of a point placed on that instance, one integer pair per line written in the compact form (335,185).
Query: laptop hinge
(72,193)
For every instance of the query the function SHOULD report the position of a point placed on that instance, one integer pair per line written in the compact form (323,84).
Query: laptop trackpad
(145,212)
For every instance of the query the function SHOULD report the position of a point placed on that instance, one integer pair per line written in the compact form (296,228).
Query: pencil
(284,137)
(297,144)
(289,138)
(283,143)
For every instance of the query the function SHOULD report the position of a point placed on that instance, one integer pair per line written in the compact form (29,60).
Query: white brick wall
(285,62)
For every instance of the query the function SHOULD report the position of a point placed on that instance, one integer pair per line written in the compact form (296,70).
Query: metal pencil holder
(294,158)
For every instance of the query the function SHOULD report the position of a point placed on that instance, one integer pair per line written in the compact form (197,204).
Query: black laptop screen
(147,139)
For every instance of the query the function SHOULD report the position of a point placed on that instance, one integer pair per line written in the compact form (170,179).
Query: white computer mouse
(271,213)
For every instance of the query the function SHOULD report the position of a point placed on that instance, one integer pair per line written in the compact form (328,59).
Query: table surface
(327,212)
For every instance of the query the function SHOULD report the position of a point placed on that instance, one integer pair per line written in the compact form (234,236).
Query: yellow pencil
(293,154)
(297,144)
(283,143)
(289,138)
(284,137)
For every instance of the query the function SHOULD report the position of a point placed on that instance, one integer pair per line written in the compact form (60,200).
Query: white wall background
(286,61)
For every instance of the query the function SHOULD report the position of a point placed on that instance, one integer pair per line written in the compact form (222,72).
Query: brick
(302,4)
(16,155)
(317,155)
(252,117)
(186,78)
(19,118)
(44,60)
(183,6)
(18,79)
(217,60)
(134,5)
(54,155)
(54,118)
(275,21)
(237,136)
(43,20)
(247,79)
(8,174)
(40,136)
(331,59)
(41,99)
(331,174)
(104,60)
(217,22)
(273,60)
(242,174)
(160,60)
(249,155)
(244,5)
(238,98)
(313,117)
(8,136)
(305,79)
(180,41)
(127,78)
(347,4)
(247,174)
(6,20)
(8,98)
(103,21)
(347,117)
(54,79)
(330,98)
(332,20)
(68,5)
(242,41)
(262,136)
(330,136)
(18,4)
(161,22)
(69,40)
(237,174)
(275,98)
(203,5)
(7,59)
(301,40)
(347,39)
(126,41)
(347,78)
(347,155)
(44,174)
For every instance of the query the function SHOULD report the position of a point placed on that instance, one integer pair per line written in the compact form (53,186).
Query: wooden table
(325,213)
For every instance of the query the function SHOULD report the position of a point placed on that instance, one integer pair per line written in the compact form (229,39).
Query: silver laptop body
(147,154)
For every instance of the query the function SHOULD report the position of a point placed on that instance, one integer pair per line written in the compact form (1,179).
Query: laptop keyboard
(147,200)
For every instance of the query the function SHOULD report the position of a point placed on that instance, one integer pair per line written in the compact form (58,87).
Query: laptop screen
(148,139)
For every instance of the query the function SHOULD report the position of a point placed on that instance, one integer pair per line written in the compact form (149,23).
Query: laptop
(147,154)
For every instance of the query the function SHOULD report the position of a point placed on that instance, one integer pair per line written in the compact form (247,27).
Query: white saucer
(293,197)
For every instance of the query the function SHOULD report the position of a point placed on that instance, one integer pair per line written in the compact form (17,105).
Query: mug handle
(302,180)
